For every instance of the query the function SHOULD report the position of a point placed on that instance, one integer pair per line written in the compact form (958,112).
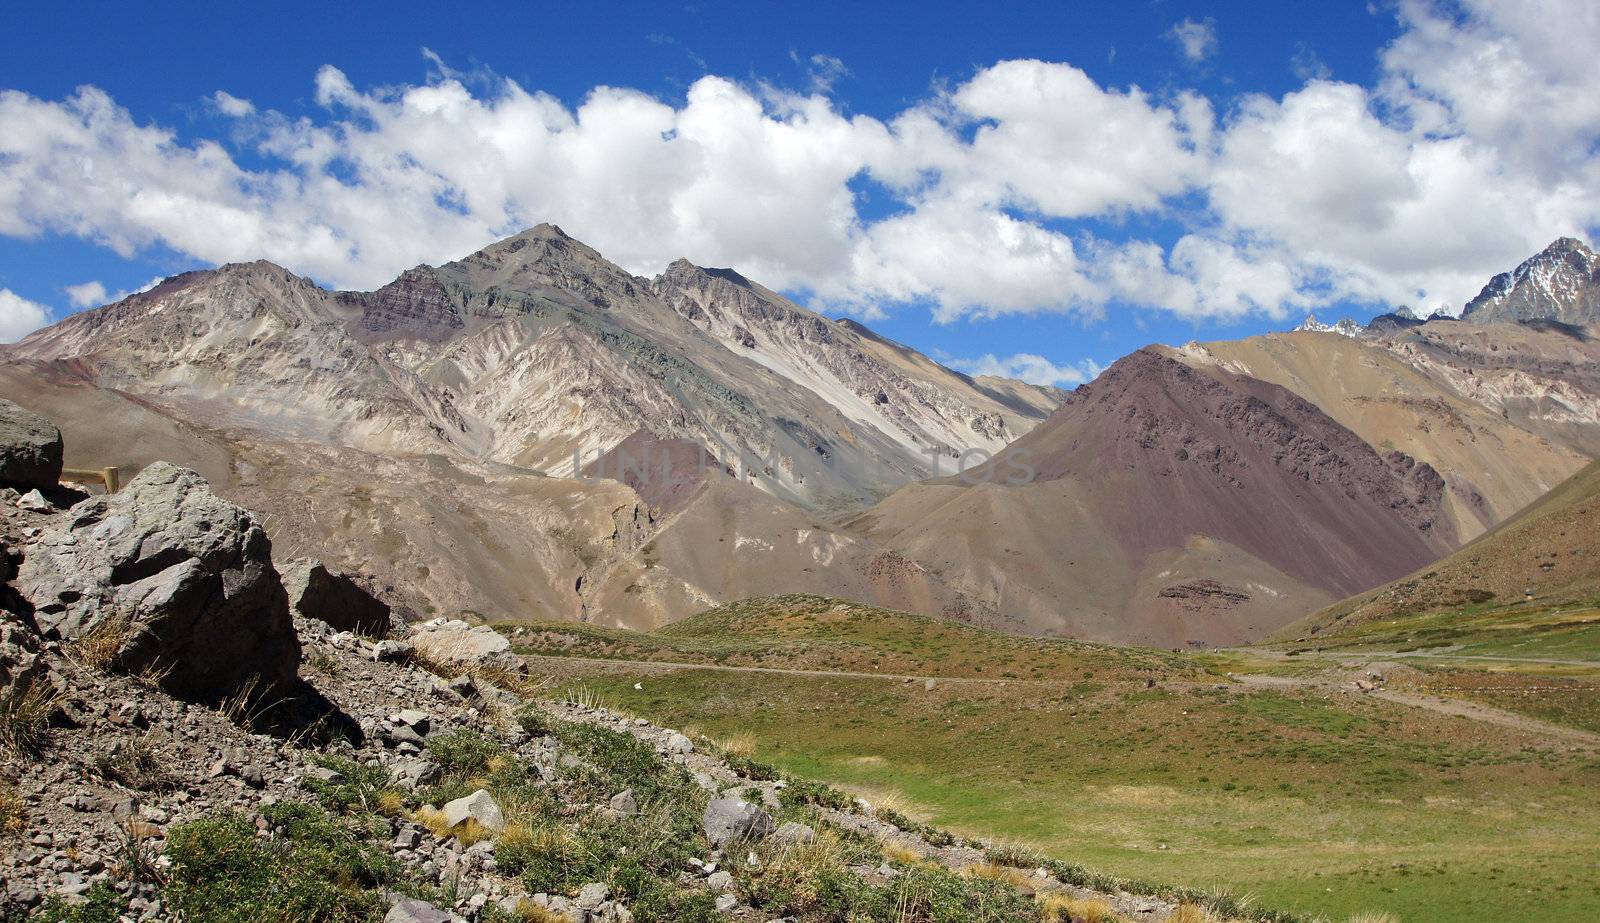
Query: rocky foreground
(188,733)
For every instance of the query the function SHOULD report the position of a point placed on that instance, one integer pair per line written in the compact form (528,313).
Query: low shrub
(311,868)
(463,752)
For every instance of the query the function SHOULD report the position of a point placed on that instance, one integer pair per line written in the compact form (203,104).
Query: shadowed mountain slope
(1166,504)
(1549,554)
(1491,466)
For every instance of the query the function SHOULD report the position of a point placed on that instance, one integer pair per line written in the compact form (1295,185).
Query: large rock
(318,593)
(30,448)
(479,806)
(729,819)
(21,664)
(167,578)
(455,642)
(411,910)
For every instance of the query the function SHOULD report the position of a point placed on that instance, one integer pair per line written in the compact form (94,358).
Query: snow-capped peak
(1344,327)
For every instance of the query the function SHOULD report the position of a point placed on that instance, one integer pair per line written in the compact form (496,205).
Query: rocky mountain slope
(1491,466)
(154,765)
(1561,283)
(1540,376)
(1546,555)
(449,535)
(532,432)
(1169,504)
(537,352)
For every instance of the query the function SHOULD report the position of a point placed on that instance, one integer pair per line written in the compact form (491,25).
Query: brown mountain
(1165,503)
(539,353)
(1396,393)
(1550,550)
(533,431)
(427,433)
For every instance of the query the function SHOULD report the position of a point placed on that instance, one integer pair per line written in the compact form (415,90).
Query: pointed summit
(1560,283)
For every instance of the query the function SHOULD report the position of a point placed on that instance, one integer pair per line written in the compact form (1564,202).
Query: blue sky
(1060,181)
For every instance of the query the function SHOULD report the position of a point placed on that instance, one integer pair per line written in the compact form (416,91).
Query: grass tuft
(1064,908)
(25,719)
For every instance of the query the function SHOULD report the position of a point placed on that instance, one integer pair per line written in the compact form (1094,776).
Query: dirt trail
(1440,654)
(666,666)
(1458,708)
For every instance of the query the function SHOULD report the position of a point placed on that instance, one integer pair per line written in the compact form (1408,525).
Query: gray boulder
(414,773)
(327,596)
(479,806)
(794,834)
(30,448)
(624,803)
(21,664)
(167,578)
(453,641)
(410,910)
(729,819)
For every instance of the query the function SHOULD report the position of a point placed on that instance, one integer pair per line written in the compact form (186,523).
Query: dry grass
(13,812)
(740,745)
(135,763)
(391,803)
(1061,908)
(101,648)
(529,912)
(25,719)
(1374,916)
(1004,874)
(582,697)
(546,839)
(467,832)
(899,852)
(1191,913)
(803,865)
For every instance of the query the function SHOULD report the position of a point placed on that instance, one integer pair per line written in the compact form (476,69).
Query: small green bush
(101,904)
(313,869)
(463,752)
(534,720)
(359,791)
(799,793)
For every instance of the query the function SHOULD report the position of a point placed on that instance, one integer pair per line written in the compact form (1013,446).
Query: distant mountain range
(1560,284)
(531,430)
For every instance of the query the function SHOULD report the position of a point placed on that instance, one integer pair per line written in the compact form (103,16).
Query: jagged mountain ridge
(1560,283)
(537,352)
(1491,465)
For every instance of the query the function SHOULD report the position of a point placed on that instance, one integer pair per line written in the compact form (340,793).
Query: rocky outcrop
(452,641)
(730,819)
(1561,283)
(166,579)
(21,664)
(327,596)
(30,449)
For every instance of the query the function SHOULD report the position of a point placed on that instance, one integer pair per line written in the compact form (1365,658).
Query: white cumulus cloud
(1031,368)
(1197,40)
(86,294)
(1476,144)
(19,316)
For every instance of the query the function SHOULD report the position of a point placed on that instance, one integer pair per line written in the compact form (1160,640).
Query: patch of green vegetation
(1292,711)
(1519,630)
(101,904)
(824,633)
(312,868)
(463,751)
(1317,802)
